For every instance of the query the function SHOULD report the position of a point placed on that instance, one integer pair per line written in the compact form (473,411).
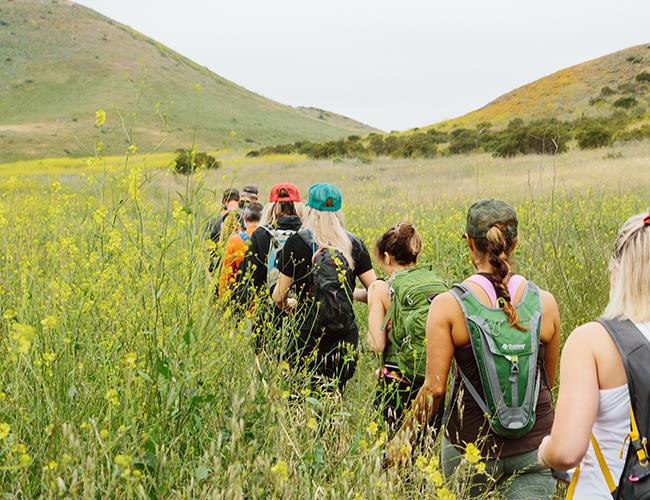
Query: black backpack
(327,285)
(634,349)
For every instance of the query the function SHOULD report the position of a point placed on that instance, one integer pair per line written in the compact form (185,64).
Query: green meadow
(122,376)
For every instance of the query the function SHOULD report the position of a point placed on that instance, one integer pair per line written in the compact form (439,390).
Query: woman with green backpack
(503,334)
(397,313)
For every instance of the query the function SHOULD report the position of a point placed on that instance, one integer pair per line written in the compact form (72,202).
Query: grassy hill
(60,62)
(571,92)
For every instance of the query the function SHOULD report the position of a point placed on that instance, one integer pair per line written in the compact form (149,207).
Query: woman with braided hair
(503,334)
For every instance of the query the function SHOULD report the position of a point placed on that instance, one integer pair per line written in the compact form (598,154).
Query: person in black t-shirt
(323,231)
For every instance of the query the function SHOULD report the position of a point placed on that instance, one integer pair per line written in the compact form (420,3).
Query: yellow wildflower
(24,459)
(104,434)
(130,359)
(48,322)
(51,465)
(284,366)
(8,315)
(22,335)
(480,467)
(286,394)
(48,429)
(281,471)
(372,428)
(5,429)
(123,461)
(112,397)
(445,494)
(311,423)
(100,118)
(472,453)
(435,476)
(49,357)
(421,462)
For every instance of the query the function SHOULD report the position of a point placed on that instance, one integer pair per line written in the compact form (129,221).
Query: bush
(189,160)
(607,91)
(437,136)
(644,76)
(625,102)
(538,137)
(463,141)
(594,135)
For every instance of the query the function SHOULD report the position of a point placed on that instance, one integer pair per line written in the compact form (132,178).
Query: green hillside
(60,62)
(570,93)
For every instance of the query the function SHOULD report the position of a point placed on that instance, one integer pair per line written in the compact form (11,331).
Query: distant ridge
(568,93)
(60,62)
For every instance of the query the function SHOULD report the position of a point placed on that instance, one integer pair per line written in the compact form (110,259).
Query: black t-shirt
(295,261)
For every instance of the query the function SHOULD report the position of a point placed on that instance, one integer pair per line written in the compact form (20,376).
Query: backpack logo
(513,347)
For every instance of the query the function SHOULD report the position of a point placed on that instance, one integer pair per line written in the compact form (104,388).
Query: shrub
(538,137)
(625,102)
(188,160)
(644,76)
(594,135)
(437,136)
(462,141)
(607,91)
(636,134)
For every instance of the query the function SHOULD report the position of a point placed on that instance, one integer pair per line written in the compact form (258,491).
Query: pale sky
(393,64)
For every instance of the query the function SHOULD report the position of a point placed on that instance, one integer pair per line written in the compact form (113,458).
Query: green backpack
(506,358)
(412,291)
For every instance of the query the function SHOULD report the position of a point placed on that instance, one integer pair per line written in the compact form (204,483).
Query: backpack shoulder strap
(629,339)
(308,237)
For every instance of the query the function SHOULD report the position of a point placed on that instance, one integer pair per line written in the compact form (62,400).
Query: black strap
(628,339)
(634,349)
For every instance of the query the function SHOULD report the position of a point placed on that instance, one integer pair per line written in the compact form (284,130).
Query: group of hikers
(495,335)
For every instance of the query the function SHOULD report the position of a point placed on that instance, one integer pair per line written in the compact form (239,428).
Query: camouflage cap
(485,214)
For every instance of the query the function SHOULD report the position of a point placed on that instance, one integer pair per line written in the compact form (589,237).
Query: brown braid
(498,248)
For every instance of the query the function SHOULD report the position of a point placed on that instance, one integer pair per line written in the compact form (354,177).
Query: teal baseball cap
(324,198)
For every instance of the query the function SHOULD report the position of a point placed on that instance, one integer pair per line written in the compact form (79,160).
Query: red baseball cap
(284,191)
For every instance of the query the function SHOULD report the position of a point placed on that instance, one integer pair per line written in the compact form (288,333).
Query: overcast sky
(392,64)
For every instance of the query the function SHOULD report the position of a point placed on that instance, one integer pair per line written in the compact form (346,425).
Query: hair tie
(646,221)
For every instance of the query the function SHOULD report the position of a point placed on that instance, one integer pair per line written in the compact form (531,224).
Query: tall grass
(122,376)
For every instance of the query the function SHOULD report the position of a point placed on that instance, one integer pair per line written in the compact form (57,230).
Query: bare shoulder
(548,300)
(379,287)
(446,305)
(587,336)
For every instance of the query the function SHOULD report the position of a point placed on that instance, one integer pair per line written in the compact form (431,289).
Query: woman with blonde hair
(320,264)
(603,404)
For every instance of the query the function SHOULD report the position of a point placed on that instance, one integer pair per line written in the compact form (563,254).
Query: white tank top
(610,428)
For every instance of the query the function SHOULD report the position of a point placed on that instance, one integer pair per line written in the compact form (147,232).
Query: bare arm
(553,346)
(440,352)
(281,291)
(577,405)
(378,297)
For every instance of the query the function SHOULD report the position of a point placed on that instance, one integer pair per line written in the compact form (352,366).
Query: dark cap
(485,214)
(230,195)
(250,189)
